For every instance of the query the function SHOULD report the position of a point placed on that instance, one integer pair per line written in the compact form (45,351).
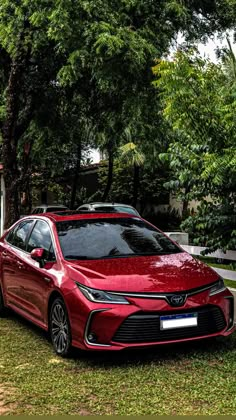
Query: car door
(38,281)
(13,261)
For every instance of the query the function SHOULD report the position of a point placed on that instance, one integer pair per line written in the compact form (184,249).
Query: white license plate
(178,321)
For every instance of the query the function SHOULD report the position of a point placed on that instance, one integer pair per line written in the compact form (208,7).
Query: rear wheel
(59,328)
(2,307)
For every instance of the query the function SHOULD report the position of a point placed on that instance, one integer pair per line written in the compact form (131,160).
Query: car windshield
(111,238)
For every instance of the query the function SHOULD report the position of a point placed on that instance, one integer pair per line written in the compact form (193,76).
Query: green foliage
(214,225)
(24,23)
(199,103)
(113,45)
(167,220)
(84,63)
(122,177)
(151,191)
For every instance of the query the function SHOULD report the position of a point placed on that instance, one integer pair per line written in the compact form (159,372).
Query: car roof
(54,217)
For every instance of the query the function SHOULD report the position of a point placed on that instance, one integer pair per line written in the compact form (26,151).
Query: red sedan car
(109,282)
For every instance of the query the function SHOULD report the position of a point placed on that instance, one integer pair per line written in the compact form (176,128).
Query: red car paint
(144,281)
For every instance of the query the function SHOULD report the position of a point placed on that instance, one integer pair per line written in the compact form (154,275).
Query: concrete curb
(226,274)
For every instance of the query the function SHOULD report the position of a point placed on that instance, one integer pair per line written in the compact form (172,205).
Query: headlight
(99,296)
(218,287)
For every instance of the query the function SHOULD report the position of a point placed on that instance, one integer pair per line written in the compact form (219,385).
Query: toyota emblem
(177,300)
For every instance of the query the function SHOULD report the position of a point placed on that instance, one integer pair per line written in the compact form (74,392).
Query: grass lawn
(184,379)
(212,263)
(229,283)
(224,266)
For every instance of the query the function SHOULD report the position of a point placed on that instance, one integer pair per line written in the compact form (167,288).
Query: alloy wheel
(60,328)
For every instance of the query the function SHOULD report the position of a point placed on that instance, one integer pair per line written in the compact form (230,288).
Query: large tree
(103,48)
(116,44)
(199,103)
(61,146)
(28,68)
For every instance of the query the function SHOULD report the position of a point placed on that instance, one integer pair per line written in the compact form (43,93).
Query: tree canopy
(69,65)
(199,103)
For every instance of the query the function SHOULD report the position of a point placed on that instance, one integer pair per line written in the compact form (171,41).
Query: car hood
(166,273)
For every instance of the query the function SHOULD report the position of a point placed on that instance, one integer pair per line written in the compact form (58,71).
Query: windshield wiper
(77,257)
(133,254)
(141,254)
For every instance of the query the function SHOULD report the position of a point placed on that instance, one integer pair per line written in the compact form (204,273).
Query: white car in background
(106,207)
(45,208)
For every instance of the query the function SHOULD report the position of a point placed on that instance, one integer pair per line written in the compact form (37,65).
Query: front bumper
(116,327)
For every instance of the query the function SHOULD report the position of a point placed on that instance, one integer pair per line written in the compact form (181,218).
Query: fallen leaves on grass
(6,407)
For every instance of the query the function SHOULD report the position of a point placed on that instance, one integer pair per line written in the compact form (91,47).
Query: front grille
(145,327)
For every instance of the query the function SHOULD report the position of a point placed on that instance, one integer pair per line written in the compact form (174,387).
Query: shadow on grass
(22,322)
(207,348)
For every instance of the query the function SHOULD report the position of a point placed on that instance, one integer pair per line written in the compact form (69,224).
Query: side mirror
(37,254)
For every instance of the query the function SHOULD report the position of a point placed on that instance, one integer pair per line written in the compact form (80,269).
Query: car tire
(2,307)
(59,328)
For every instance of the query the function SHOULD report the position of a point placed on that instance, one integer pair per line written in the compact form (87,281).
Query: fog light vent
(92,337)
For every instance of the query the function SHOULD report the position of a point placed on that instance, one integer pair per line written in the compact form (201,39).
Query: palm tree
(230,61)
(131,153)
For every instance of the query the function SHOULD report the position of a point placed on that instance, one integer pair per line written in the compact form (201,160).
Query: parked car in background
(116,207)
(44,208)
(109,281)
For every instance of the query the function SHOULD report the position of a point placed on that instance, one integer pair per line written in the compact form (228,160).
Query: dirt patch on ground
(5,407)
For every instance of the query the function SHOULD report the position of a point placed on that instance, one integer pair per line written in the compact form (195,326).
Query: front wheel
(59,328)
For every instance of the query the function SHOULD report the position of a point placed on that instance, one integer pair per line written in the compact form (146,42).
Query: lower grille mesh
(145,327)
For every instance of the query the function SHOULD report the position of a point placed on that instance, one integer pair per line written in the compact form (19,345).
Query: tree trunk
(135,185)
(76,177)
(25,179)
(185,212)
(12,129)
(9,148)
(12,213)
(185,209)
(110,173)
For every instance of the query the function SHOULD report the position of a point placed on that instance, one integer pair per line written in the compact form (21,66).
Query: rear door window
(10,235)
(18,236)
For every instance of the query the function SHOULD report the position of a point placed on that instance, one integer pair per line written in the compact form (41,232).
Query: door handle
(4,254)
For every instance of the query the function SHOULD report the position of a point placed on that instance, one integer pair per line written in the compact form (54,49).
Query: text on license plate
(178,321)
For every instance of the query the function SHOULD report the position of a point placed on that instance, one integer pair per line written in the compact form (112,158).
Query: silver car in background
(106,207)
